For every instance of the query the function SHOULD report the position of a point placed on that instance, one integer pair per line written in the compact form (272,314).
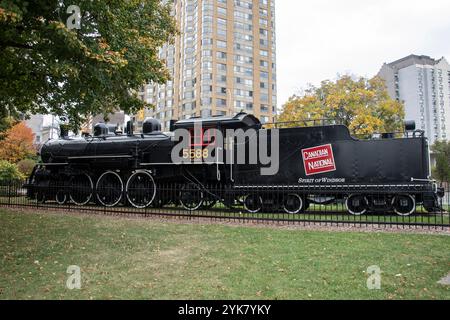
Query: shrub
(26,166)
(9,172)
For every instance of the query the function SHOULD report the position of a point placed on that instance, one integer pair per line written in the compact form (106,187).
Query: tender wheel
(109,189)
(191,197)
(61,197)
(404,205)
(293,204)
(82,189)
(253,203)
(141,189)
(357,204)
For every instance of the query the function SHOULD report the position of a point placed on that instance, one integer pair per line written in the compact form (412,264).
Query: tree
(26,166)
(17,144)
(441,171)
(9,173)
(6,122)
(45,67)
(363,105)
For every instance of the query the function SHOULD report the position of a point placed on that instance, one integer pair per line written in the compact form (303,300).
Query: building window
(221,55)
(221,44)
(221,67)
(221,102)
(221,78)
(221,10)
(221,90)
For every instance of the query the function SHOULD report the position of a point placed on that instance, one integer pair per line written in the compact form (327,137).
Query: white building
(423,84)
(44,127)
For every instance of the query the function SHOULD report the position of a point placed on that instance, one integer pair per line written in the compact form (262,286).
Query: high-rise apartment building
(423,84)
(222,63)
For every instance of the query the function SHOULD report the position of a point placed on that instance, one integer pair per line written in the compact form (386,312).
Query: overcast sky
(317,39)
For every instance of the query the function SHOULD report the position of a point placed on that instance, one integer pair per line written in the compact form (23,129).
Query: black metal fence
(279,205)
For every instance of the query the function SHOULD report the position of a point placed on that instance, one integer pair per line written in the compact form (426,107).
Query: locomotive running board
(179,163)
(334,187)
(98,157)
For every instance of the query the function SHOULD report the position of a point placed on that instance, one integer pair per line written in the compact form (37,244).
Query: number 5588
(195,153)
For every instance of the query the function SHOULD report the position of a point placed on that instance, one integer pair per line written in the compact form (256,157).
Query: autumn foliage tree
(363,105)
(17,144)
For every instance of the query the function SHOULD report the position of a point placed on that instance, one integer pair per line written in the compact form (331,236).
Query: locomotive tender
(319,164)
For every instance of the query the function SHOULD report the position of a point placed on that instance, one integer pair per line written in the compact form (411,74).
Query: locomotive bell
(151,125)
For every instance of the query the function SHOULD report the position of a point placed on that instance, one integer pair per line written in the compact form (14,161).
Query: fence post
(9,193)
(68,193)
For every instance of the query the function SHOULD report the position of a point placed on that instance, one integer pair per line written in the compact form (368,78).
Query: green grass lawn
(147,259)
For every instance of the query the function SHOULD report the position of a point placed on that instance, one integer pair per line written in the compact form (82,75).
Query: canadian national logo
(318,160)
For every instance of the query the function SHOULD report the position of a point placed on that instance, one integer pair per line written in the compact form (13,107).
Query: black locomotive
(319,164)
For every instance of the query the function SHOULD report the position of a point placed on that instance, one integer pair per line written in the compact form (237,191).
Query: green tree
(45,67)
(9,172)
(5,124)
(441,171)
(363,105)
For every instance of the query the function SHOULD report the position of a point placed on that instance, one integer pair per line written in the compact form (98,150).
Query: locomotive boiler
(315,164)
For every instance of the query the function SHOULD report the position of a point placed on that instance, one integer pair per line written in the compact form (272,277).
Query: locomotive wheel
(109,189)
(61,197)
(404,205)
(253,203)
(191,197)
(293,203)
(141,189)
(82,189)
(356,204)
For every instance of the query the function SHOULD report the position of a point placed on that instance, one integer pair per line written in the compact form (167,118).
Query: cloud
(318,39)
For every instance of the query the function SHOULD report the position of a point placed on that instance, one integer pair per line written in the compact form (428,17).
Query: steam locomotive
(316,164)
